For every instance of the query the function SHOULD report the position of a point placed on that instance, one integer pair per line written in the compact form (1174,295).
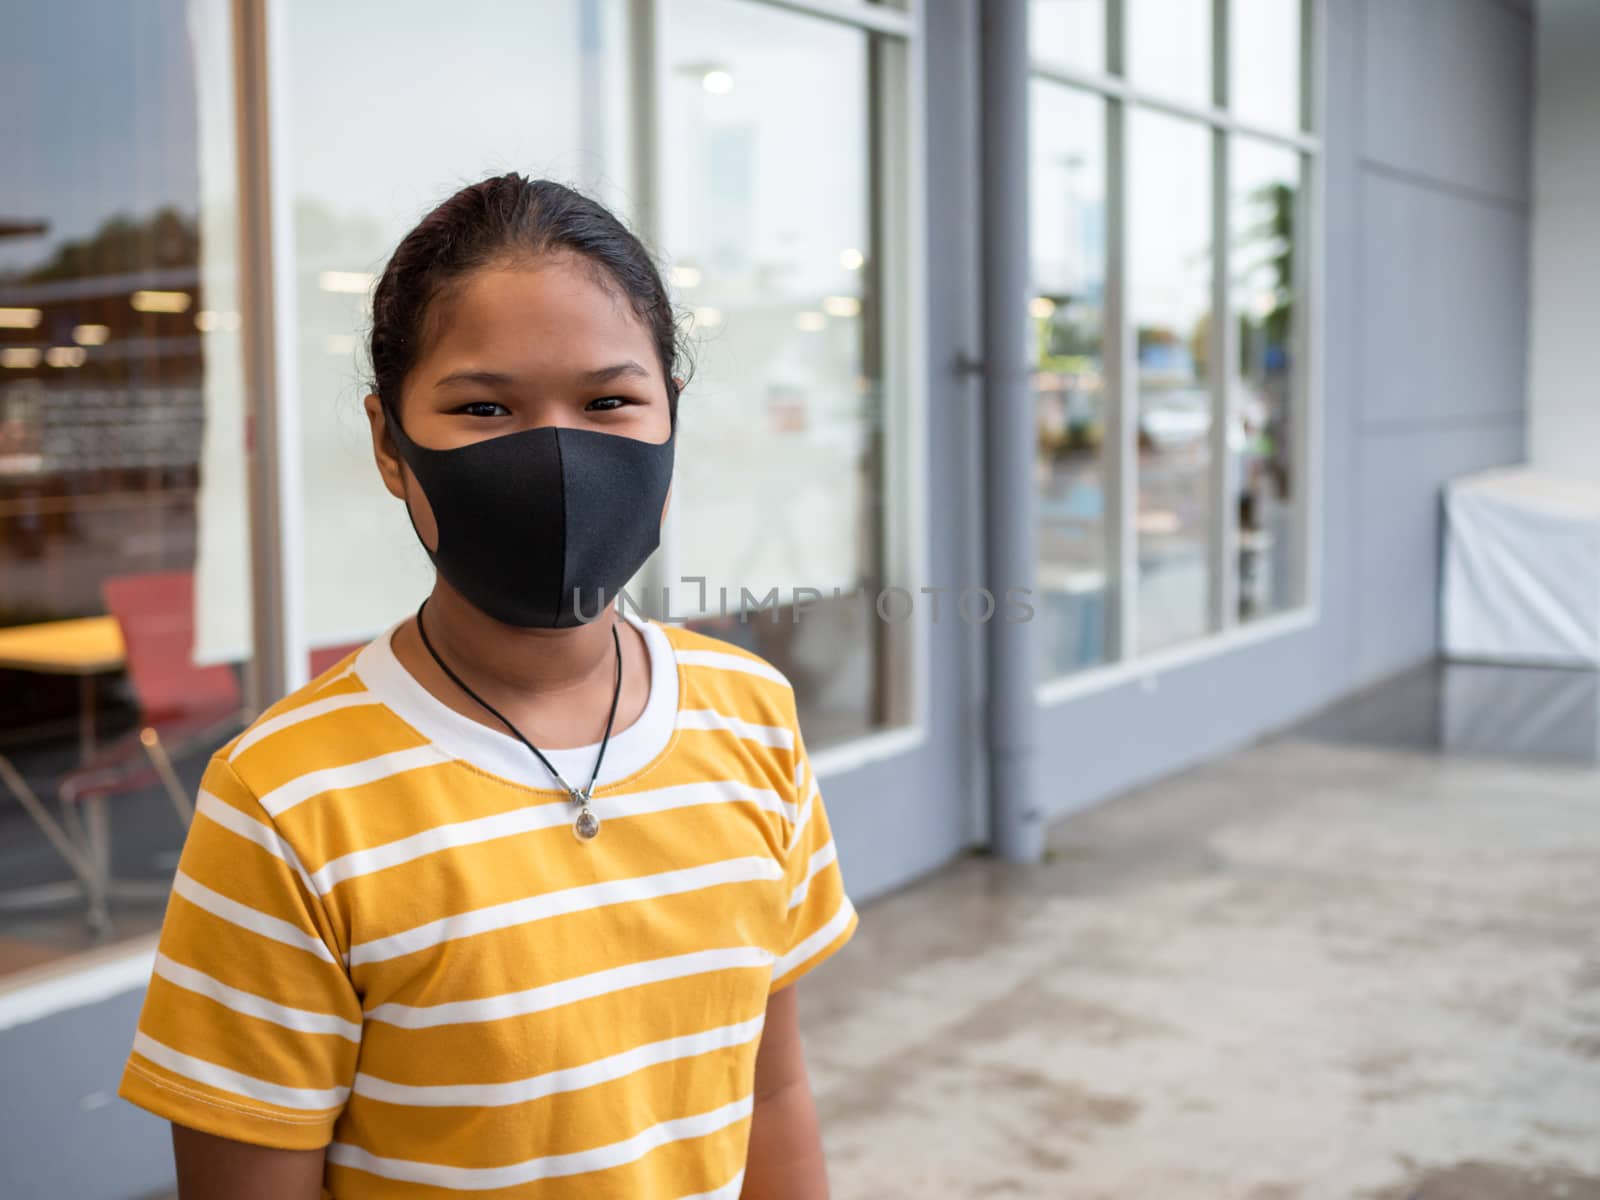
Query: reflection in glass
(1169,48)
(1169,196)
(1265,185)
(1264,61)
(1068,33)
(121,428)
(546,95)
(1067,245)
(767,225)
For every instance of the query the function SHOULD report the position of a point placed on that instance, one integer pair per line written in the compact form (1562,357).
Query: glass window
(547,96)
(1169,48)
(1067,211)
(768,225)
(124,564)
(1264,61)
(1068,33)
(1169,190)
(1265,185)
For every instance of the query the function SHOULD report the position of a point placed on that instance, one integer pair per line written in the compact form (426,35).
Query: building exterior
(1275,255)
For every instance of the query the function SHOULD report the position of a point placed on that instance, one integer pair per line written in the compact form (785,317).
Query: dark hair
(509,218)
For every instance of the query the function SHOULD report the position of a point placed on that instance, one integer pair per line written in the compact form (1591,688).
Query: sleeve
(250,1026)
(820,917)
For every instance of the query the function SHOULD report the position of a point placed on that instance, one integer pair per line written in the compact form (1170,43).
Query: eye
(606,404)
(483,408)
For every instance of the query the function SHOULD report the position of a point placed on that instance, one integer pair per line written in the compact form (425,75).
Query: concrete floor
(1313,969)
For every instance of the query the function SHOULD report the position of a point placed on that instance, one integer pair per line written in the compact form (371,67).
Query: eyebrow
(487,378)
(596,377)
(619,370)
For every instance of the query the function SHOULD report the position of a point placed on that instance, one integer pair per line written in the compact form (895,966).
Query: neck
(509,661)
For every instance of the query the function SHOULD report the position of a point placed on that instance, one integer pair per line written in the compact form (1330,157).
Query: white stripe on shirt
(720,661)
(280,799)
(295,715)
(245,917)
(564,902)
(817,942)
(477,1179)
(819,860)
(803,819)
(711,719)
(535,817)
(728,1191)
(224,1079)
(568,1079)
(251,1005)
(252,830)
(569,991)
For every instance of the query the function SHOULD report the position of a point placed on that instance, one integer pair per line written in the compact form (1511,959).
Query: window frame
(897,183)
(1226,632)
(895,187)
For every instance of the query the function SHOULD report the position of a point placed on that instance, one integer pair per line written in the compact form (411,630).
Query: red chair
(328,656)
(182,707)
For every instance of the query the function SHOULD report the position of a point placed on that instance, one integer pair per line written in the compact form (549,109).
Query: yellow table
(85,647)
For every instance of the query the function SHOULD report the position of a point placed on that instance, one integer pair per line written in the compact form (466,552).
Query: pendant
(586,826)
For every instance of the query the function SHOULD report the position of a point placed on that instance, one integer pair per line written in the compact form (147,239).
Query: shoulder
(330,723)
(707,653)
(722,674)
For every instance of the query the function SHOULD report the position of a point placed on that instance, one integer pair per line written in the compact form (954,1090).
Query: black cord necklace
(586,825)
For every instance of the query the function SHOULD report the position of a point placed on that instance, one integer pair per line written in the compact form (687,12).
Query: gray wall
(1564,405)
(62,1130)
(1427,215)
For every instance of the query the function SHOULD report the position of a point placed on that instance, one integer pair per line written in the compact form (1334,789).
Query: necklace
(585,826)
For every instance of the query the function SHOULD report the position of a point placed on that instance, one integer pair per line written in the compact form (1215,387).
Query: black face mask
(541,528)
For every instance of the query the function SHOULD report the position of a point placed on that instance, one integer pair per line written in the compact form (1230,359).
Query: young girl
(511,902)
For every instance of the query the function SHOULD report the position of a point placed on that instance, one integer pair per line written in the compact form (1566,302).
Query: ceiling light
(66,356)
(161,302)
(20,357)
(207,320)
(357,283)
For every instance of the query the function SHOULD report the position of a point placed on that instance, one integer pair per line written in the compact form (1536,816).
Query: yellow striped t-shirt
(384,937)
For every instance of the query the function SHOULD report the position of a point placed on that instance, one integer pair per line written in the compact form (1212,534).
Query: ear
(383,451)
(678,379)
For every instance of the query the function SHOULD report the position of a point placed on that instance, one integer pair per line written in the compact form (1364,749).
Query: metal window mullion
(1310,77)
(1116,38)
(647,102)
(1306,402)
(1220,46)
(895,98)
(1301,401)
(1223,543)
(1223,546)
(270,352)
(888,642)
(899,111)
(1121,395)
